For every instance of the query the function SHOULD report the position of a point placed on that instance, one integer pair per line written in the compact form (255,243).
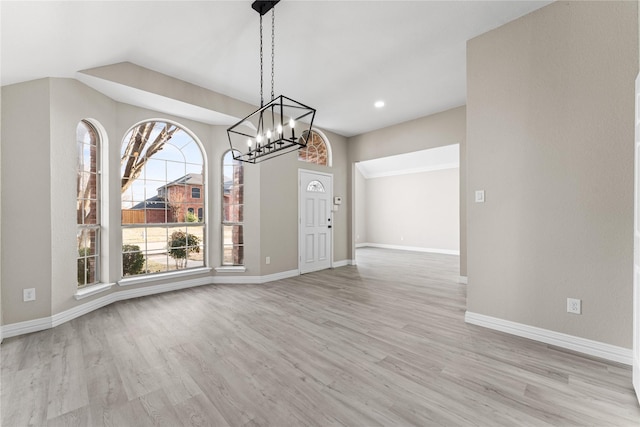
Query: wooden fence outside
(132,216)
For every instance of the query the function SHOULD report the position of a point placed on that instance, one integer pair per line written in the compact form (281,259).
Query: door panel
(322,246)
(310,213)
(322,207)
(315,221)
(309,248)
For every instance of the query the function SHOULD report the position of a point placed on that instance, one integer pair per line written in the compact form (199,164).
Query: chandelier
(281,126)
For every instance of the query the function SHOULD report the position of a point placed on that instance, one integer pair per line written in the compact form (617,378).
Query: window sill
(92,290)
(231,269)
(161,276)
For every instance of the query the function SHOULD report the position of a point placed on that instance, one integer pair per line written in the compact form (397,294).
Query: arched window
(88,204)
(162,188)
(317,150)
(232,210)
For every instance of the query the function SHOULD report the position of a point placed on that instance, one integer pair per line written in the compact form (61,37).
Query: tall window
(87,204)
(232,211)
(316,150)
(161,165)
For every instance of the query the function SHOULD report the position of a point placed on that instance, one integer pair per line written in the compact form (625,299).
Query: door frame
(636,245)
(330,176)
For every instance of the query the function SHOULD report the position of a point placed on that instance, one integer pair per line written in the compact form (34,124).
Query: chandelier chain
(273,48)
(278,129)
(261,67)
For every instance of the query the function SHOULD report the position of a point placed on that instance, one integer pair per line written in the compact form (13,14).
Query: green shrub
(132,260)
(181,244)
(191,217)
(84,265)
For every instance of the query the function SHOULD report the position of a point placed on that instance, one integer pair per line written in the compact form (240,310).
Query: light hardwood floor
(381,343)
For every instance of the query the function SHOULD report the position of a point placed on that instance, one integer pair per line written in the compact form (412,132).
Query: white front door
(636,250)
(315,221)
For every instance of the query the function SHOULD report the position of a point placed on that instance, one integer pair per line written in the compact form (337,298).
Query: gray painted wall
(446,128)
(26,232)
(550,139)
(418,210)
(39,123)
(279,207)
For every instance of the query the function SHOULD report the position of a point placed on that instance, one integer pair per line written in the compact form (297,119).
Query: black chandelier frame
(270,131)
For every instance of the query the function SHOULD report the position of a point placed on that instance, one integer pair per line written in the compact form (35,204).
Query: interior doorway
(409,201)
(636,251)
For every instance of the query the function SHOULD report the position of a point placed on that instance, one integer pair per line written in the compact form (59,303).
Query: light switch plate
(29,294)
(479,196)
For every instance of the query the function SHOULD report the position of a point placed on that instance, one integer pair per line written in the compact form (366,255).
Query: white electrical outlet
(267,260)
(29,294)
(574,306)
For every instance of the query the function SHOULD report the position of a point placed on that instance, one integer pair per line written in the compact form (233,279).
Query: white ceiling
(336,56)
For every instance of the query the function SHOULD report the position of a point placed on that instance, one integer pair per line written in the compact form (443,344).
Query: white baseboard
(409,248)
(279,276)
(80,310)
(343,263)
(253,280)
(463,280)
(236,280)
(158,289)
(35,325)
(570,342)
(26,327)
(169,275)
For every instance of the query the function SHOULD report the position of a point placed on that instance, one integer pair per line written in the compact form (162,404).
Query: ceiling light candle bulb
(279,129)
(268,135)
(292,123)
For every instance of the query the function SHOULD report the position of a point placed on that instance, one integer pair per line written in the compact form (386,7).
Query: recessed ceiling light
(379,104)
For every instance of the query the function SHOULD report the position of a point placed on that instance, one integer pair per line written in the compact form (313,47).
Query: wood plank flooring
(383,343)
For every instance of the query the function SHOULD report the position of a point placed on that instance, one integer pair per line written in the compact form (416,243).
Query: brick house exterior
(315,151)
(172,203)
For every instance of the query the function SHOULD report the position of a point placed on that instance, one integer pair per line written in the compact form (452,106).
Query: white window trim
(231,269)
(90,290)
(153,277)
(102,169)
(327,144)
(150,277)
